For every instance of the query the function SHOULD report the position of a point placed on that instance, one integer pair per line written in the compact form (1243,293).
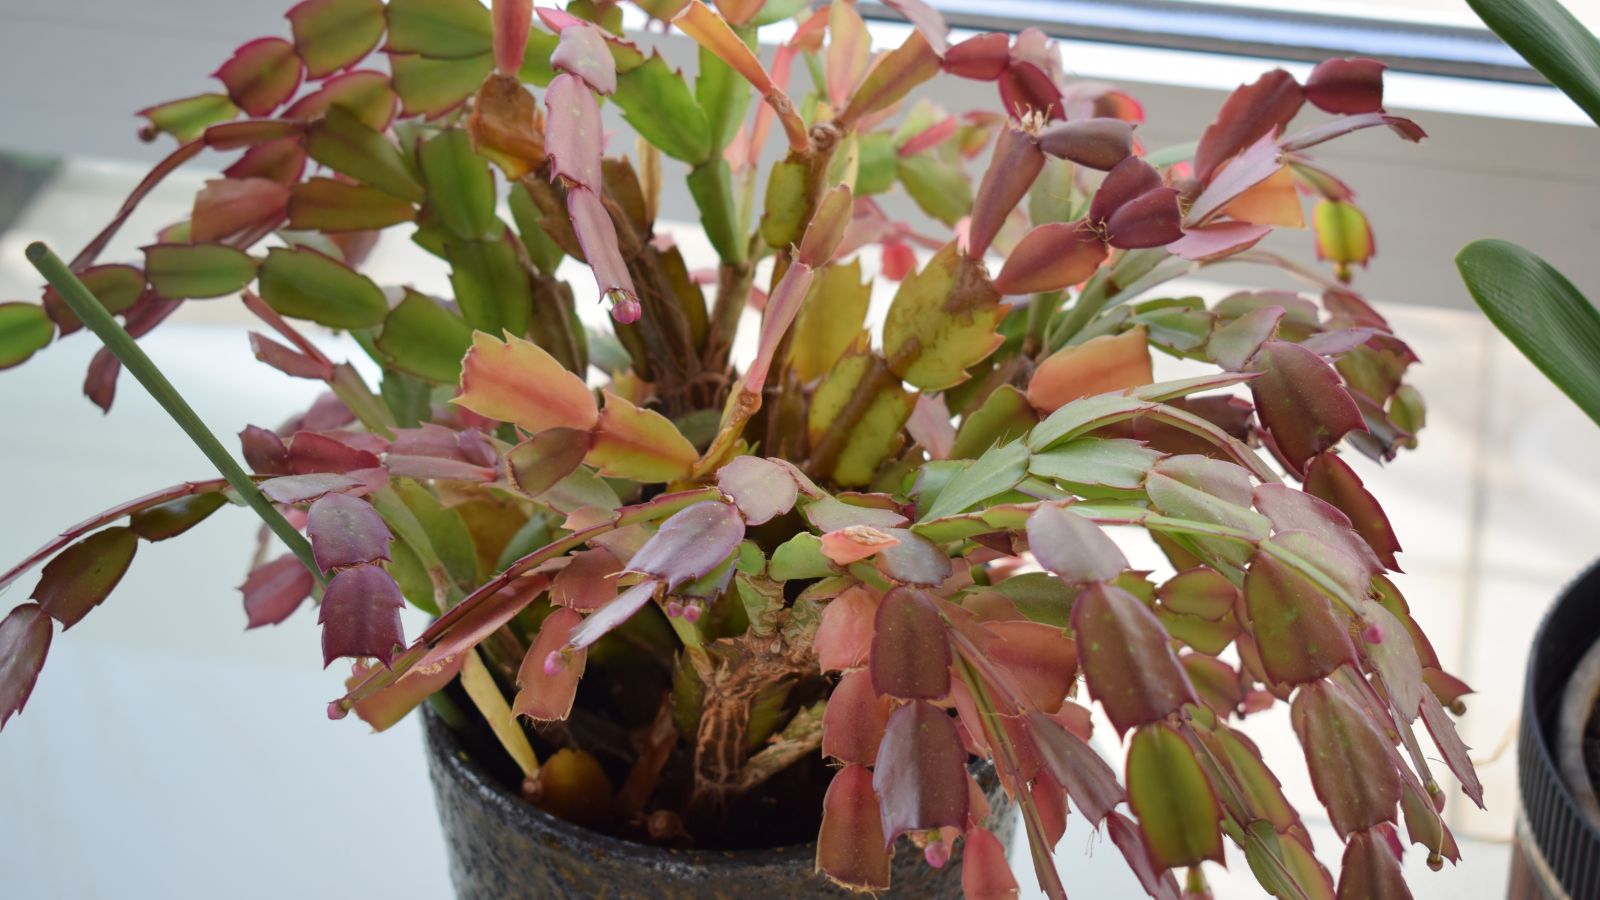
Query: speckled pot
(502,848)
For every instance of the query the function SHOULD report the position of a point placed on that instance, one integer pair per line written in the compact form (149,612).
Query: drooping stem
(658,508)
(156,498)
(95,316)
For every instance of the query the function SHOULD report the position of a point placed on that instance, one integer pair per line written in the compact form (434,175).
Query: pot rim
(1566,840)
(443,744)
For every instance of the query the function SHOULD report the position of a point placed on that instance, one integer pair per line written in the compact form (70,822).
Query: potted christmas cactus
(1558,329)
(834,615)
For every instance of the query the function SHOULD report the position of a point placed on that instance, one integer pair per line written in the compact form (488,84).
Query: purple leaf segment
(360,615)
(691,543)
(921,772)
(24,642)
(345,531)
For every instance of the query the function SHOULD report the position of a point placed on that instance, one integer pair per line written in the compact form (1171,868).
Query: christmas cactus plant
(669,580)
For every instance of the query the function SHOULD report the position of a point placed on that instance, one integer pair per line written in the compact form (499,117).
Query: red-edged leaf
(888,80)
(1156,882)
(517,381)
(1331,478)
(538,463)
(84,574)
(1174,802)
(1126,658)
(597,236)
(913,559)
(228,206)
(850,845)
(639,444)
(855,543)
(573,137)
(844,638)
(613,614)
(310,452)
(1073,547)
(1347,86)
(482,618)
(1051,257)
(921,772)
(1135,208)
(1260,108)
(910,649)
(261,75)
(583,53)
(330,205)
(332,34)
(588,582)
(174,517)
(1075,765)
(547,678)
(981,57)
(760,488)
(274,590)
(1348,756)
(264,451)
(926,20)
(1370,870)
(24,642)
(512,21)
(854,720)
(1100,365)
(290,362)
(1100,143)
(1302,401)
(1218,241)
(691,543)
(1298,636)
(1041,658)
(360,615)
(1451,747)
(1016,163)
(365,94)
(389,705)
(1327,131)
(345,531)
(985,874)
(291,489)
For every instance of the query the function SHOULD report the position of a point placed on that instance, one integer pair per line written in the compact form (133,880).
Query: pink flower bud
(554,664)
(691,612)
(625,309)
(674,609)
(937,853)
(336,710)
(1373,633)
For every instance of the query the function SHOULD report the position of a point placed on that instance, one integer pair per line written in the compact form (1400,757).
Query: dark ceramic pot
(1557,854)
(502,848)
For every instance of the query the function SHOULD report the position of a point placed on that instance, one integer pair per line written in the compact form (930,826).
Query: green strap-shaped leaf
(1554,325)
(443,29)
(330,205)
(711,185)
(345,144)
(331,34)
(1553,41)
(724,96)
(655,100)
(185,119)
(460,185)
(430,86)
(490,285)
(190,271)
(305,284)
(1172,799)
(425,339)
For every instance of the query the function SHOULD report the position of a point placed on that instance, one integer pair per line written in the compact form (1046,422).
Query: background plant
(664,600)
(1543,314)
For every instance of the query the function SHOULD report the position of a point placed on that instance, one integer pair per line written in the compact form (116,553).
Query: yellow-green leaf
(830,319)
(655,100)
(443,29)
(331,34)
(431,87)
(639,444)
(422,338)
(1172,799)
(876,434)
(942,322)
(460,185)
(517,381)
(24,330)
(305,284)
(194,271)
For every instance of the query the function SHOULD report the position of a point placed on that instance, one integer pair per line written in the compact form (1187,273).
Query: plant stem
(94,315)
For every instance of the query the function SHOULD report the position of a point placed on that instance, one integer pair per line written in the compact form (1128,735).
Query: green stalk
(94,315)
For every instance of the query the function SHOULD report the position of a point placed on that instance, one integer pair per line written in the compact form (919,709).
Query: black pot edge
(443,746)
(1566,842)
